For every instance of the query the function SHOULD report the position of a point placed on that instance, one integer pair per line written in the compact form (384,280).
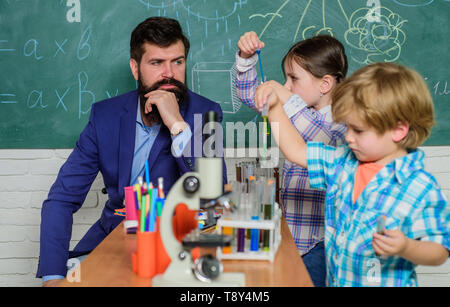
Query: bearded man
(157,123)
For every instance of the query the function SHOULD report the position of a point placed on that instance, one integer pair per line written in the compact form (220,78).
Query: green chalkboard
(58,57)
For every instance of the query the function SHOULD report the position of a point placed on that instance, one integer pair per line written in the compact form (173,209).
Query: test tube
(227,231)
(276,174)
(268,203)
(236,188)
(257,169)
(238,172)
(236,198)
(250,169)
(243,171)
(253,197)
(253,202)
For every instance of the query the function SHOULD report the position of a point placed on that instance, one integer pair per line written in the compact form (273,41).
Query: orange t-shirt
(364,173)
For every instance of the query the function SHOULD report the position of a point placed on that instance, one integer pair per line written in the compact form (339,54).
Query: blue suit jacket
(107,145)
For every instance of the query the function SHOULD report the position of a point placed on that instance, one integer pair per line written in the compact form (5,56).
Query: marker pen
(137,192)
(161,187)
(381,221)
(131,218)
(154,196)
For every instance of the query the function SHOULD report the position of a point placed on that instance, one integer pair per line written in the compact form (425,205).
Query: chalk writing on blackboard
(379,41)
(3,46)
(7,98)
(276,14)
(374,30)
(37,98)
(60,99)
(31,49)
(54,69)
(193,8)
(210,17)
(60,47)
(417,2)
(441,89)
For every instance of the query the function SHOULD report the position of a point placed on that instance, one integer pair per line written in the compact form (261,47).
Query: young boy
(378,175)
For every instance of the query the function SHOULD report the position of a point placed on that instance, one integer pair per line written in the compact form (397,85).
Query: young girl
(312,69)
(378,175)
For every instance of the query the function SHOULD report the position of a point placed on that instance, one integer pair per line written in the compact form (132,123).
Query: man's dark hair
(160,31)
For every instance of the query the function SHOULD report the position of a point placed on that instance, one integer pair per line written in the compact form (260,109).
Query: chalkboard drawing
(417,3)
(309,30)
(4,98)
(324,28)
(374,31)
(272,17)
(200,10)
(380,41)
(215,80)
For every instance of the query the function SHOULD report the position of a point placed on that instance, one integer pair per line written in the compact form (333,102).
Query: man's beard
(180,90)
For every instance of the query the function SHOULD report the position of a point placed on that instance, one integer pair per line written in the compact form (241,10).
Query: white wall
(26,176)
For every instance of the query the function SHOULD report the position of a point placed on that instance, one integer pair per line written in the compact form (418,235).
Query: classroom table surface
(110,265)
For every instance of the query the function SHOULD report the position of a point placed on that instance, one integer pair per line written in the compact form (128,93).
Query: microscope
(196,189)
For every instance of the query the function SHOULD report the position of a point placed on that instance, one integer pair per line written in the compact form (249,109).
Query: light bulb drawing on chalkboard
(373,31)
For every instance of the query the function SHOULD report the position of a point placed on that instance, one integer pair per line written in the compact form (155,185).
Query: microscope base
(224,280)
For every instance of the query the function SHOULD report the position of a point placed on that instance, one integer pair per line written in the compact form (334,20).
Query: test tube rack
(273,225)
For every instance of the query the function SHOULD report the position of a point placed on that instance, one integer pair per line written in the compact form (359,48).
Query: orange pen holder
(144,259)
(151,257)
(162,258)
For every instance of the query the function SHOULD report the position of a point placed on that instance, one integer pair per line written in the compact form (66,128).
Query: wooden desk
(110,265)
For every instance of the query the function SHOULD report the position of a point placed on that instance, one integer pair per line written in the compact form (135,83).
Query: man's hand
(167,105)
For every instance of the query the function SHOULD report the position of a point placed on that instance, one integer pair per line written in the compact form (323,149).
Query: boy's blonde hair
(383,95)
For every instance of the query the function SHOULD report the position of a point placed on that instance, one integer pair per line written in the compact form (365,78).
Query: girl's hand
(271,93)
(393,242)
(266,94)
(248,44)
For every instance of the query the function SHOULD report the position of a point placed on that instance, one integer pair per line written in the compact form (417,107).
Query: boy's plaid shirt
(303,206)
(403,191)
